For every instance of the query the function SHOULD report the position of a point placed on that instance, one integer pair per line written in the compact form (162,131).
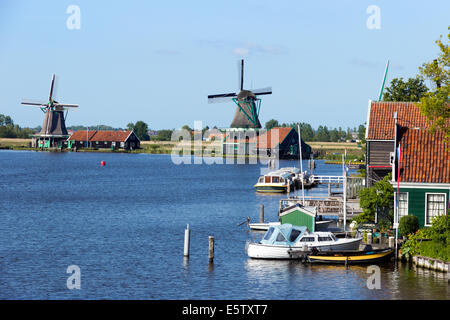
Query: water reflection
(321,281)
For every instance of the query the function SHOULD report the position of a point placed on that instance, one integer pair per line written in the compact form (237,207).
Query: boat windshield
(294,235)
(269,233)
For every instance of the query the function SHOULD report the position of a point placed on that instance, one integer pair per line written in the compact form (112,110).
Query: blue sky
(157,61)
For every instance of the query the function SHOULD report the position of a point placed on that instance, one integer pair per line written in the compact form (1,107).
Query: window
(294,235)
(275,179)
(307,239)
(280,238)
(269,233)
(435,206)
(402,204)
(325,239)
(261,180)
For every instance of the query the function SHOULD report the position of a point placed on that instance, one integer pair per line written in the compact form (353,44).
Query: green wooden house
(421,174)
(298,215)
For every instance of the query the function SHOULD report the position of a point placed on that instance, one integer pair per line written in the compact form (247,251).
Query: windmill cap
(244,94)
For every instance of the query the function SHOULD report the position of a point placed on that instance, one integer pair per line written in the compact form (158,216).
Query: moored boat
(370,256)
(280,240)
(279,181)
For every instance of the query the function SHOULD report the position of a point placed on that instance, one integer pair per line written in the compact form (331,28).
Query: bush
(408,224)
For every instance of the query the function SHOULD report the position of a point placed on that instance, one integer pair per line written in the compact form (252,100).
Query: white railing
(328,179)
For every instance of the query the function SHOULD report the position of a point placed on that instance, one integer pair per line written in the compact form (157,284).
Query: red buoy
(103,163)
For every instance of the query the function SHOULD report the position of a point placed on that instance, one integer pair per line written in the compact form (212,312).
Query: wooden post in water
(369,238)
(391,242)
(187,235)
(261,215)
(211,249)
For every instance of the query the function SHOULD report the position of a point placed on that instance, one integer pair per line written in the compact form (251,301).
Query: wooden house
(283,140)
(381,133)
(421,174)
(101,139)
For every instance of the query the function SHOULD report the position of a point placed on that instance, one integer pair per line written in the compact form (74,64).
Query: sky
(157,61)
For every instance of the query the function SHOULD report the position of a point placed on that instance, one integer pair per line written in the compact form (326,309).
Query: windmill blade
(240,66)
(66,105)
(51,88)
(262,91)
(34,103)
(214,98)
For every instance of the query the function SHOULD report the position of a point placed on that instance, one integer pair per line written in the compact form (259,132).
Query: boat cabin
(283,234)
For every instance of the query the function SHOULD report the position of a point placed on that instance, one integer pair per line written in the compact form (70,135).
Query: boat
(320,225)
(280,240)
(358,257)
(262,226)
(279,181)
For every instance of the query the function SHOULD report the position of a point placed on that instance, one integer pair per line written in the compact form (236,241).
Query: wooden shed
(381,133)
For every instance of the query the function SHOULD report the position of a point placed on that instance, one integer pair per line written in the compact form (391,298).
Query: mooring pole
(261,215)
(187,235)
(211,249)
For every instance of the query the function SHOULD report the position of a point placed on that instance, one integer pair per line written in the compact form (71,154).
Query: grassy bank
(323,150)
(333,151)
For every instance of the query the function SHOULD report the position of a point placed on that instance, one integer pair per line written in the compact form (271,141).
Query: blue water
(123,225)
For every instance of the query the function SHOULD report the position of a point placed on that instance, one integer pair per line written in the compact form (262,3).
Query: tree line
(322,133)
(10,130)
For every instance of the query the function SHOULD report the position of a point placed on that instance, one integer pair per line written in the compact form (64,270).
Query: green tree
(411,90)
(163,135)
(361,132)
(334,135)
(370,201)
(140,128)
(271,124)
(435,105)
(322,134)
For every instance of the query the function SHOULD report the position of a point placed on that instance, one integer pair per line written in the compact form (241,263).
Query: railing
(328,179)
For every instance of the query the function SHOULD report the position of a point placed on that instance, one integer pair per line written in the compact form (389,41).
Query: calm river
(123,226)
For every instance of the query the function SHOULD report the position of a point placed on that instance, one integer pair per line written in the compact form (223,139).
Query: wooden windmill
(247,103)
(53,132)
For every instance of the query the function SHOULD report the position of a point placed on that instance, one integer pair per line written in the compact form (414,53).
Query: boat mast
(380,96)
(301,164)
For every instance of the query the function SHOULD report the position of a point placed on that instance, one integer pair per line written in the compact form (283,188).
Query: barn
(103,139)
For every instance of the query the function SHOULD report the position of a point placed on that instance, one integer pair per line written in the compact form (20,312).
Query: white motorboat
(280,240)
(280,180)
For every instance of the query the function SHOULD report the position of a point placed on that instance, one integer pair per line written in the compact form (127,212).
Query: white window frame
(426,204)
(407,204)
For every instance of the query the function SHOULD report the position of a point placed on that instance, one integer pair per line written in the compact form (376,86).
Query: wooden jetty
(326,206)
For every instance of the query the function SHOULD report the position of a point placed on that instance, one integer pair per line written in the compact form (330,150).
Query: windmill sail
(247,102)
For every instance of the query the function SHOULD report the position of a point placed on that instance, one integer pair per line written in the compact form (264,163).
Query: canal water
(123,226)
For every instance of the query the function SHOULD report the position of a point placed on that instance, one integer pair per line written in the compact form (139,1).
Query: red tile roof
(103,135)
(265,140)
(425,157)
(381,118)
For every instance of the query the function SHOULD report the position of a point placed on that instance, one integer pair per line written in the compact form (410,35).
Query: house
(381,132)
(104,139)
(423,178)
(283,140)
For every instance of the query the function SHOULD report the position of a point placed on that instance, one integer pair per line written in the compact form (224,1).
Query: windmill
(53,132)
(247,103)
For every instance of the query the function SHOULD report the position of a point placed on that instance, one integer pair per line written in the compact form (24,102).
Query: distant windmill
(53,131)
(247,102)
